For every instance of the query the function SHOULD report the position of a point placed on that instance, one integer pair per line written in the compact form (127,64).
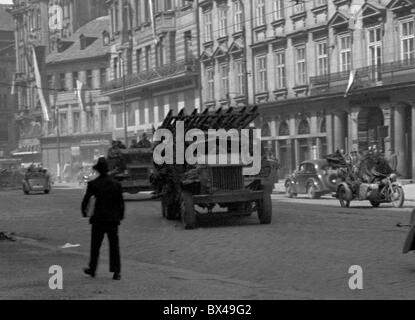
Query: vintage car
(314,178)
(37,180)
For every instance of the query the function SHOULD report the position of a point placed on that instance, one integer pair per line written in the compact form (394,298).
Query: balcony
(172,71)
(386,74)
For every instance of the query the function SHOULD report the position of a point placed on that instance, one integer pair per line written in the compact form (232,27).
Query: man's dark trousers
(99,230)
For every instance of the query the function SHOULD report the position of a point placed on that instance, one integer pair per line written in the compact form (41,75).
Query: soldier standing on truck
(144,142)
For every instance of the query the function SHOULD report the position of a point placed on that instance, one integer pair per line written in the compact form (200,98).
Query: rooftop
(92,29)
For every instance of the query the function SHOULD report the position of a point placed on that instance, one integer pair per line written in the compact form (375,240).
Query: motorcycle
(382,189)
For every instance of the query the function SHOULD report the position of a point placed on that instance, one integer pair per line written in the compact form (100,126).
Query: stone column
(329,129)
(399,139)
(387,116)
(354,130)
(339,136)
(413,141)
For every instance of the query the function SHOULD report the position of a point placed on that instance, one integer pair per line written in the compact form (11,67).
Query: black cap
(101,166)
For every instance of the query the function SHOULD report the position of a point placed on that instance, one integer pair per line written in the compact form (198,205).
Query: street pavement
(305,253)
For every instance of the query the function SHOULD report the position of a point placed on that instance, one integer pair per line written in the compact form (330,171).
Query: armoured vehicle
(132,167)
(188,191)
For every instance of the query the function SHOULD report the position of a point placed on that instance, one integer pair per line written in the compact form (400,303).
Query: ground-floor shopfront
(310,128)
(73,152)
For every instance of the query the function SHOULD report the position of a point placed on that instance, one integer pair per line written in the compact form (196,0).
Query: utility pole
(199,54)
(58,138)
(124,103)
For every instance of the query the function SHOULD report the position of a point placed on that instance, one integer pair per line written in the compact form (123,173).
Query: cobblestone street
(304,254)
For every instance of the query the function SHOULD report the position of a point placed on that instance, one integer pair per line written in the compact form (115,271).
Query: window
(76,122)
(116,16)
(119,118)
(131,115)
(284,129)
(208,26)
(280,69)
(239,16)
(407,40)
(375,52)
(146,12)
(50,81)
(300,66)
(138,12)
(299,7)
(115,67)
(303,127)
(147,61)
(210,73)
(260,12)
(89,79)
(138,54)
(224,74)
(63,122)
(103,118)
(240,77)
(223,22)
(160,53)
(188,44)
(345,53)
(90,125)
(74,80)
(262,83)
(103,76)
(318,3)
(168,5)
(278,9)
(62,81)
(322,67)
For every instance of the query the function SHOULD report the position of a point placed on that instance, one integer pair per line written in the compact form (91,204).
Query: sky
(6,1)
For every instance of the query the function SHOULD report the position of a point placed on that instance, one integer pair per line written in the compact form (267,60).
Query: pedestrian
(106,217)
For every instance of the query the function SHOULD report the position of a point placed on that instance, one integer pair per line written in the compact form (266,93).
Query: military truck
(132,167)
(188,191)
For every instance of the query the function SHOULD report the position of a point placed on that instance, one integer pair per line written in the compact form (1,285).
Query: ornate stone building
(153,76)
(299,57)
(7,101)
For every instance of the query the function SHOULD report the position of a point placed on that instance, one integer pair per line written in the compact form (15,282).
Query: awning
(17,154)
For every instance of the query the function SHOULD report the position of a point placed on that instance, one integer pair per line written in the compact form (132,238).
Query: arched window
(284,129)
(303,127)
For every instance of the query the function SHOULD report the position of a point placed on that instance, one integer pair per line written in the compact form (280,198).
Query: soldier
(144,142)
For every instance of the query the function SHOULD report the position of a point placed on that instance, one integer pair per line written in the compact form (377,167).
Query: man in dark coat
(107,215)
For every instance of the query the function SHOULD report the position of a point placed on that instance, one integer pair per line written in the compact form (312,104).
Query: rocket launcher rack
(232,118)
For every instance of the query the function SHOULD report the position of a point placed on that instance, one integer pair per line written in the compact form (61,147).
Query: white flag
(351,81)
(38,79)
(79,94)
(153,24)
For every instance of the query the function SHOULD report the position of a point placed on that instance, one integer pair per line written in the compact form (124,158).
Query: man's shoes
(116,276)
(89,272)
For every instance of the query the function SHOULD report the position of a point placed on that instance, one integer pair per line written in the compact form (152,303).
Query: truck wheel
(375,204)
(397,196)
(265,209)
(187,209)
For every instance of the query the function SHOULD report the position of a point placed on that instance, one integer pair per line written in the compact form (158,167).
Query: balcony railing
(161,73)
(388,73)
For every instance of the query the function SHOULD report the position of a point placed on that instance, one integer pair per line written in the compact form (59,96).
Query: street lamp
(124,98)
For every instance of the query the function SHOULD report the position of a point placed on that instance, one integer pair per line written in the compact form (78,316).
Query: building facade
(7,68)
(300,57)
(80,130)
(151,76)
(39,26)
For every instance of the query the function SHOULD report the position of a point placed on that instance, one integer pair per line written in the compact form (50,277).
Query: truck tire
(265,209)
(187,209)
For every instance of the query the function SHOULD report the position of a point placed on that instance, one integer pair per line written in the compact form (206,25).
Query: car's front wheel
(312,191)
